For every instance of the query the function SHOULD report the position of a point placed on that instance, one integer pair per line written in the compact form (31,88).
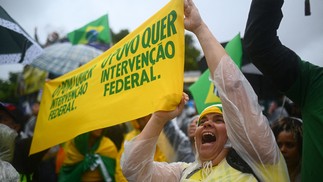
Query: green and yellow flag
(141,74)
(95,31)
(203,90)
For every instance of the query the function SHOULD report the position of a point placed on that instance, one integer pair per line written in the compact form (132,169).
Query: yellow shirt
(222,172)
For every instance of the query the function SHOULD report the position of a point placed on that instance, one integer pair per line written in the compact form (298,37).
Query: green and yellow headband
(216,108)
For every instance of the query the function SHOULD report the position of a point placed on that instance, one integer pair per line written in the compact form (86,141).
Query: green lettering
(124,67)
(119,85)
(144,77)
(152,76)
(155,32)
(170,49)
(106,88)
(127,82)
(160,52)
(171,29)
(135,80)
(162,28)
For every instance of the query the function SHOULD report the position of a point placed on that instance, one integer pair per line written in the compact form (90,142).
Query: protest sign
(139,75)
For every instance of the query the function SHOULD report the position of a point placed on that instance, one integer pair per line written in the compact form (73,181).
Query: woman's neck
(219,157)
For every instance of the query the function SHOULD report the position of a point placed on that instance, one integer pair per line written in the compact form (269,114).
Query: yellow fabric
(135,124)
(282,176)
(147,62)
(224,172)
(106,148)
(165,148)
(33,79)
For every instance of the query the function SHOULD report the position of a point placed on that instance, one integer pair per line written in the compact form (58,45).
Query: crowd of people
(234,140)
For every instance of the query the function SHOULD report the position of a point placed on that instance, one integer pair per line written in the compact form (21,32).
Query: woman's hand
(158,119)
(192,20)
(163,117)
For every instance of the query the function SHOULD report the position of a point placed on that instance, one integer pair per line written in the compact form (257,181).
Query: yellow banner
(141,74)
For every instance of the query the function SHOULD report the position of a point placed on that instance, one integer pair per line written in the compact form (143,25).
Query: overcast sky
(226,18)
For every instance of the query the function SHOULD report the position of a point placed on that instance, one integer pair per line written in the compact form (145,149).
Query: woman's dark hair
(290,124)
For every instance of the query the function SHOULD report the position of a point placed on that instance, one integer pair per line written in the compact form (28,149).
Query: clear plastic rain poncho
(8,173)
(179,143)
(7,142)
(247,128)
(7,146)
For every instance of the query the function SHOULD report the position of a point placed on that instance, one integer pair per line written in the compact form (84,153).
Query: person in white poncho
(237,127)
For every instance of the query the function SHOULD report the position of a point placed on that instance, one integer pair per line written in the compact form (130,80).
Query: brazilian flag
(203,90)
(95,31)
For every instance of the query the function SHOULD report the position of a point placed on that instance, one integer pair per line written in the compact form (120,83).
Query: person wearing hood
(234,141)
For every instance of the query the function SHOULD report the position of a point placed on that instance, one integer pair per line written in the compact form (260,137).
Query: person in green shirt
(300,80)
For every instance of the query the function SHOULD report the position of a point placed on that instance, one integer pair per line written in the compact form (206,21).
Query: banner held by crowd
(142,73)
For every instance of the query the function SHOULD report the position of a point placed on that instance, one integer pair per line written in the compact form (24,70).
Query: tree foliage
(116,37)
(8,91)
(191,54)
